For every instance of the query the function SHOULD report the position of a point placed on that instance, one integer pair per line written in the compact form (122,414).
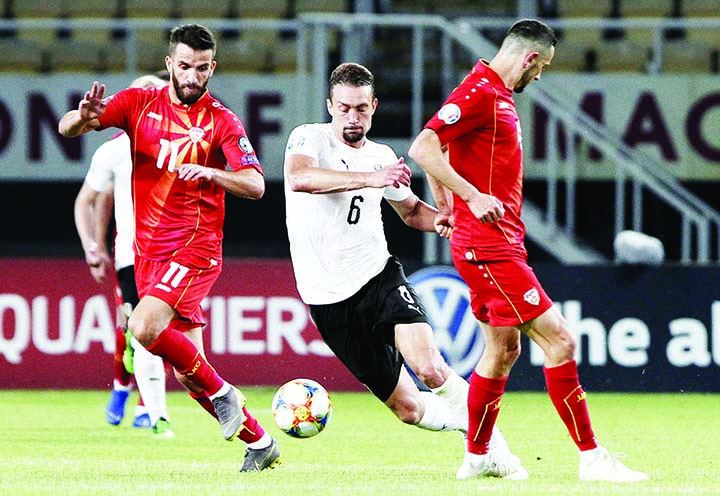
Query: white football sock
(455,392)
(438,416)
(120,387)
(261,443)
(150,379)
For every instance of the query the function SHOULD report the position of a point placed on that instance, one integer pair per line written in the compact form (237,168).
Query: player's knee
(141,329)
(565,345)
(512,353)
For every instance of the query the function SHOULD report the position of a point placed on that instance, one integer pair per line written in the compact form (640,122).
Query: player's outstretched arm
(306,176)
(84,119)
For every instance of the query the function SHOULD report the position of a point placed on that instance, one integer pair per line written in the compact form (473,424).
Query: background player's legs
(115,410)
(150,380)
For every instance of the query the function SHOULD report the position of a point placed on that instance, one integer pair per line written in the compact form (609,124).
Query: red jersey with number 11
(171,213)
(481,127)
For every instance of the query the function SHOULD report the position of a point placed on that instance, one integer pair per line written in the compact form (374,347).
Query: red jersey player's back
(481,127)
(170,212)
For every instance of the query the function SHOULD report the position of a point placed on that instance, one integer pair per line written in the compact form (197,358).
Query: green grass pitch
(58,443)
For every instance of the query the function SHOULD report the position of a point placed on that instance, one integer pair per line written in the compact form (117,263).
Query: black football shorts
(361,329)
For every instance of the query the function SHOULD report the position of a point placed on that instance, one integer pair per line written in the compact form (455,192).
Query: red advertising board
(57,327)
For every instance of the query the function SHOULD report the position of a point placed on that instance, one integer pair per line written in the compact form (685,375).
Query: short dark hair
(196,36)
(534,31)
(351,74)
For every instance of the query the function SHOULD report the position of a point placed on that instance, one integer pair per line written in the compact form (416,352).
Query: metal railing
(319,35)
(700,222)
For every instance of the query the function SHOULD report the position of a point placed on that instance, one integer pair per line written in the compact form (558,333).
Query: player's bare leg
(417,345)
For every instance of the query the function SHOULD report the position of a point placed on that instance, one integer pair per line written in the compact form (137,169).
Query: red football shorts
(182,281)
(502,292)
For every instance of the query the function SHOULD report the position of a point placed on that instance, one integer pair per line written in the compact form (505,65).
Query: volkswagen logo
(447,301)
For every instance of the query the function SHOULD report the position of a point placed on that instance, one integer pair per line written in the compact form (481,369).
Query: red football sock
(120,374)
(483,407)
(184,356)
(567,395)
(204,402)
(252,430)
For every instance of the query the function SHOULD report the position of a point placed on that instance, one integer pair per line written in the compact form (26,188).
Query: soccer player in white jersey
(359,298)
(107,185)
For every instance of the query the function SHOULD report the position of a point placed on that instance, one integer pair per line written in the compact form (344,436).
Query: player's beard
(353,134)
(525,79)
(190,98)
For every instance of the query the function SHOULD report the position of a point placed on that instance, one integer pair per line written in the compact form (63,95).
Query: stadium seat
(24,56)
(78,9)
(324,6)
(622,56)
(74,56)
(152,45)
(700,8)
(206,9)
(707,36)
(641,36)
(52,9)
(243,54)
(686,56)
(152,8)
(646,8)
(570,58)
(456,8)
(573,47)
(584,8)
(55,9)
(43,37)
(284,56)
(112,57)
(267,9)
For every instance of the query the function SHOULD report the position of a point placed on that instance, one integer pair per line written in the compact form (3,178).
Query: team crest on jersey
(196,134)
(449,113)
(532,297)
(297,141)
(244,144)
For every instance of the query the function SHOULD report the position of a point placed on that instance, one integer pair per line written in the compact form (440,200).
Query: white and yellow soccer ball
(301,408)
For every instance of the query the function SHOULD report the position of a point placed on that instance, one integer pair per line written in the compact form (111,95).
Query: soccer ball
(301,408)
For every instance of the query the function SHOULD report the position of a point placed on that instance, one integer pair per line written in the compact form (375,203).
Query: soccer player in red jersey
(187,151)
(472,148)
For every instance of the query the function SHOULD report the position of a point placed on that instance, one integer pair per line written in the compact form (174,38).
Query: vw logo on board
(447,301)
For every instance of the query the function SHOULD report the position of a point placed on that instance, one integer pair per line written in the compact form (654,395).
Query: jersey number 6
(354,212)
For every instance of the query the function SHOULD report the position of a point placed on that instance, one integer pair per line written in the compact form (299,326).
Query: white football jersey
(337,240)
(112,162)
